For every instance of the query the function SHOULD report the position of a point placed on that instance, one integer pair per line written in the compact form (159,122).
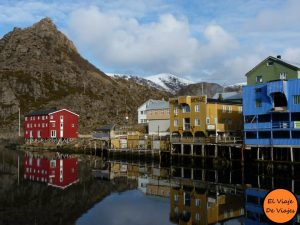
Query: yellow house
(199,116)
(190,205)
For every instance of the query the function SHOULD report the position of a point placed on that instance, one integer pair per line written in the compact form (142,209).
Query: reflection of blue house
(254,215)
(272,108)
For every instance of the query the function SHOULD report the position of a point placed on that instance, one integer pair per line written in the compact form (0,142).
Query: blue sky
(201,40)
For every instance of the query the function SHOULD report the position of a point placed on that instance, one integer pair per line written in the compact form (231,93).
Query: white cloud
(166,45)
(292,55)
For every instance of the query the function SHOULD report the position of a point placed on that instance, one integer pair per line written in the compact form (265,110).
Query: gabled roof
(41,112)
(47,112)
(291,65)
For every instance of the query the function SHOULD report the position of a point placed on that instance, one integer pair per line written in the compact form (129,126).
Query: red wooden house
(51,123)
(58,171)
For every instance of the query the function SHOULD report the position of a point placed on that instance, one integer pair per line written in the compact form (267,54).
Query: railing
(281,125)
(206,140)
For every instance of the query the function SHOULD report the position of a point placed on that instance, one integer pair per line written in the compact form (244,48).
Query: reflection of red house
(51,123)
(58,171)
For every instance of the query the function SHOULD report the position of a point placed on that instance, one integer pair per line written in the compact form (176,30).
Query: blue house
(271,108)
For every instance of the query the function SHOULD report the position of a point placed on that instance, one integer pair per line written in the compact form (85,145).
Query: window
(282,76)
(259,79)
(176,198)
(73,125)
(197,108)
(46,117)
(185,109)
(46,124)
(176,110)
(51,117)
(34,125)
(197,217)
(39,125)
(296,99)
(25,118)
(230,109)
(270,63)
(38,117)
(257,90)
(197,202)
(197,122)
(258,103)
(224,108)
(43,117)
(175,123)
(53,133)
(240,109)
(27,125)
(43,125)
(207,120)
(38,162)
(52,164)
(61,117)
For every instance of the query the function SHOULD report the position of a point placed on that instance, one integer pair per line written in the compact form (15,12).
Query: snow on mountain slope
(169,82)
(164,81)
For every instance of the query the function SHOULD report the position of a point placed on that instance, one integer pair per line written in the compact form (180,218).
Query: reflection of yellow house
(123,170)
(192,206)
(198,116)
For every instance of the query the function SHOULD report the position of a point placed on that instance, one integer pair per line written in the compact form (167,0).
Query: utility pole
(18,170)
(19,122)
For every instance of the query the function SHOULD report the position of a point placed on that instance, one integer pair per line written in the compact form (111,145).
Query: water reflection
(145,192)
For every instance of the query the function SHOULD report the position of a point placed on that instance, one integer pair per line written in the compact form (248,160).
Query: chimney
(278,56)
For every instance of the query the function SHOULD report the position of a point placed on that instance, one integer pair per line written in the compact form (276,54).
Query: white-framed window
(27,125)
(175,123)
(34,125)
(259,79)
(61,117)
(186,109)
(197,202)
(43,117)
(46,124)
(51,117)
(197,122)
(175,110)
(197,108)
(39,125)
(73,125)
(223,108)
(240,109)
(38,162)
(282,76)
(33,117)
(230,109)
(43,125)
(25,118)
(46,117)
(52,165)
(197,217)
(142,112)
(38,118)
(53,133)
(207,120)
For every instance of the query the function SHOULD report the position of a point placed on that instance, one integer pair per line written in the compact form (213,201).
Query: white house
(142,117)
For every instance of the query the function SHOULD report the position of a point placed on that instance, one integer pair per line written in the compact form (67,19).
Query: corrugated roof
(159,104)
(41,112)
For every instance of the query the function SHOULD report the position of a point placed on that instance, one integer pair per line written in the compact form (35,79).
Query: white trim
(63,110)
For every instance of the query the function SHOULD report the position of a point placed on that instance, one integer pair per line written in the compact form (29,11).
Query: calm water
(142,191)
